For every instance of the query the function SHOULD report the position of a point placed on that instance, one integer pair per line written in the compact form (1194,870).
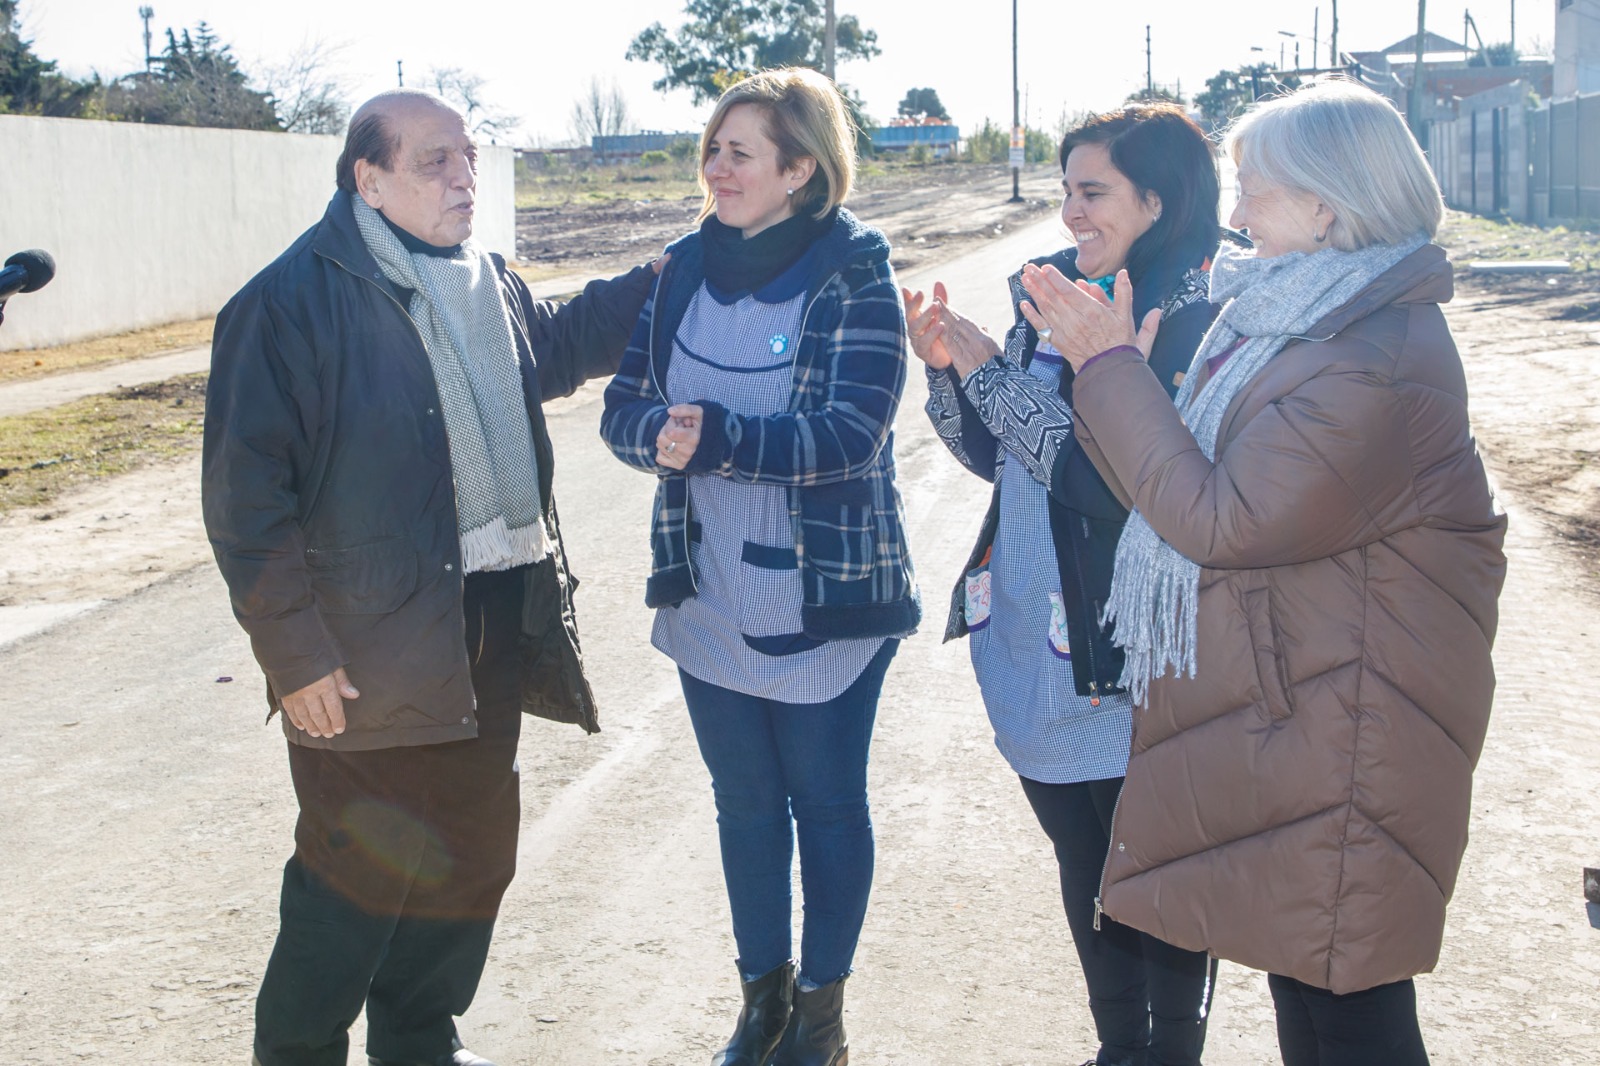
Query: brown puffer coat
(1301,805)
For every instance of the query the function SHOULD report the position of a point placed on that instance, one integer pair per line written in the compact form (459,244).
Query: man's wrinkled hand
(318,709)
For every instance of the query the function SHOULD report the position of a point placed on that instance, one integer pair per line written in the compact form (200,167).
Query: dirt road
(145,810)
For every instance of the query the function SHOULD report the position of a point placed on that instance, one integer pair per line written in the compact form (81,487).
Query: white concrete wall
(1577,47)
(155,224)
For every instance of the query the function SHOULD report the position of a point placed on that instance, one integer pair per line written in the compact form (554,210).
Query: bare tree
(308,88)
(601,111)
(465,91)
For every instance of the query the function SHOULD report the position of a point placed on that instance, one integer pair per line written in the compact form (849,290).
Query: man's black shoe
(458,1056)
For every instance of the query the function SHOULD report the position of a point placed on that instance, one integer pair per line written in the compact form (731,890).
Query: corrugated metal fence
(1533,164)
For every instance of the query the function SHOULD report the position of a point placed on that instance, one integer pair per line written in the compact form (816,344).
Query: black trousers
(1150,1000)
(1374,1027)
(401,858)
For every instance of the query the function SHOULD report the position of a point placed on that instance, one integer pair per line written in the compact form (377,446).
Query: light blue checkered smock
(742,630)
(1018,633)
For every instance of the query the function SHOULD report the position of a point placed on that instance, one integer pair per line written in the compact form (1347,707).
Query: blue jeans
(781,770)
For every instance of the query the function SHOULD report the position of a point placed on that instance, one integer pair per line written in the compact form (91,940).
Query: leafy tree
(923,103)
(30,85)
(991,143)
(1229,92)
(1160,95)
(726,40)
(863,123)
(196,82)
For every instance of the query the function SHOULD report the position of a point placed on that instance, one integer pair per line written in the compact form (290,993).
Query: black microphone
(27,271)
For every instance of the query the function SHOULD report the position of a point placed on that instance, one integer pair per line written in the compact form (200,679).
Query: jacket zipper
(794,361)
(1094,669)
(650,360)
(466,660)
(1100,890)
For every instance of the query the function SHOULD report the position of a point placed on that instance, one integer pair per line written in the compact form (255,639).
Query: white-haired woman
(760,388)
(1306,592)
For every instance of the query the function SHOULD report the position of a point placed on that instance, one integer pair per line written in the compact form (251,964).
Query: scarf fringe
(497,546)
(1155,591)
(1159,601)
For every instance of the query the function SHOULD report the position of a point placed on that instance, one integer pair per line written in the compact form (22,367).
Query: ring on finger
(672,446)
(1046,333)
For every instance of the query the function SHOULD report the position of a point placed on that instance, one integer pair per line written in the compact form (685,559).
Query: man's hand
(318,709)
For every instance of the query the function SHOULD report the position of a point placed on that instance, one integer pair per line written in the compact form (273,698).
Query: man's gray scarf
(458,310)
(1268,302)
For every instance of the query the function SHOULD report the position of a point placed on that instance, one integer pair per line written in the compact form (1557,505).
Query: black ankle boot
(767,1000)
(815,1034)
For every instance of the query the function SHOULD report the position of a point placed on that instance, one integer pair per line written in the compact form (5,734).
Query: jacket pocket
(371,578)
(838,529)
(1271,672)
(769,592)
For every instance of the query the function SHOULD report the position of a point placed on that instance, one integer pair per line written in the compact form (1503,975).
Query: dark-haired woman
(1140,193)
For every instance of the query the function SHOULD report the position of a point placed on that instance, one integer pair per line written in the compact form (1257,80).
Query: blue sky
(536,56)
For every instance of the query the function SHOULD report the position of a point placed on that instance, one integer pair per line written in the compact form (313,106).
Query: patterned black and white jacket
(1001,406)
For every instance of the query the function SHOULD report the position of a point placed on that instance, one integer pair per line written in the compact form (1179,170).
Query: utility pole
(1414,100)
(1513,28)
(147,13)
(830,41)
(1316,19)
(1149,84)
(1333,41)
(400,71)
(1019,138)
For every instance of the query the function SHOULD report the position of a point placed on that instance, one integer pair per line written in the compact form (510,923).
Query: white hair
(1348,147)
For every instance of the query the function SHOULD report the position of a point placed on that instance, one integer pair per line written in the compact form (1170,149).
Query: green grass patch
(1474,237)
(45,453)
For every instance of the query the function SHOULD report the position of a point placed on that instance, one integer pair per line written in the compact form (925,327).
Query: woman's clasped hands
(942,337)
(678,439)
(1080,320)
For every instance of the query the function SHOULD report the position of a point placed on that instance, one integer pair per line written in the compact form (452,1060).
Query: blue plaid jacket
(833,449)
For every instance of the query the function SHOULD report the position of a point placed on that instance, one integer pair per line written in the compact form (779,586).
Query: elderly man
(377,490)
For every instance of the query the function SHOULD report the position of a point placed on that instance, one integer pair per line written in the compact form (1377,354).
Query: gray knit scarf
(458,310)
(1267,303)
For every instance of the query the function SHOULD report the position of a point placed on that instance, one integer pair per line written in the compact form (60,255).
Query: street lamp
(1019,136)
(1315,45)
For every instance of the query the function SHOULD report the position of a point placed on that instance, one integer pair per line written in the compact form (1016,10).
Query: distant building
(629,147)
(1450,71)
(902,135)
(1577,47)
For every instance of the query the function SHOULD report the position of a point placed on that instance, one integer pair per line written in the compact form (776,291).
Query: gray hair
(1348,147)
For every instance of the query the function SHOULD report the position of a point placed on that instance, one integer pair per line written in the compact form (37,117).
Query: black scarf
(735,265)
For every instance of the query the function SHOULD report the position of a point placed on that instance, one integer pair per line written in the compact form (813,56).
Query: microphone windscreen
(39,264)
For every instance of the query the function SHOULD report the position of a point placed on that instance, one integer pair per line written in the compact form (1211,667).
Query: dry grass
(44,453)
(81,355)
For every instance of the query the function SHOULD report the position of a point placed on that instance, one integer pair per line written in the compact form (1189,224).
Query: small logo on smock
(779,344)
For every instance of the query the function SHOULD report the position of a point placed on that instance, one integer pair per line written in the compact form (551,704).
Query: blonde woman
(760,388)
